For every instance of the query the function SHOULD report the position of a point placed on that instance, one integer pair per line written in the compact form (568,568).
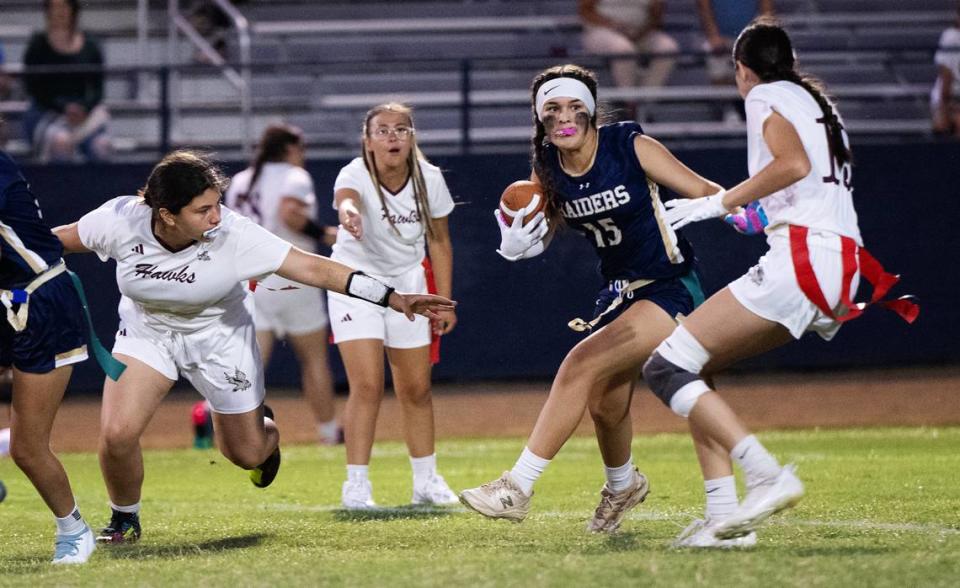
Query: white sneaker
(74,549)
(763,500)
(700,534)
(357,495)
(614,506)
(433,490)
(499,499)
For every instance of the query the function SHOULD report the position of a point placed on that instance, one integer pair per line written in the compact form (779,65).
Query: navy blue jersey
(618,210)
(27,247)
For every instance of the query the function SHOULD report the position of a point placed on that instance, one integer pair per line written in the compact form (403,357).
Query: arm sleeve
(259,252)
(350,177)
(299,185)
(438,194)
(98,230)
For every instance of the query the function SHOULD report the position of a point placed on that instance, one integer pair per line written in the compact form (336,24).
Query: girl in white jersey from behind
(391,204)
(182,263)
(800,169)
(277,193)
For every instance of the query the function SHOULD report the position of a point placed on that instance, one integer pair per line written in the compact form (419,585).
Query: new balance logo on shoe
(506,501)
(138,249)
(346,319)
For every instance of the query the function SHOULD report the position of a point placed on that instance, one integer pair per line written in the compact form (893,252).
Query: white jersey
(187,290)
(381,251)
(823,200)
(948,56)
(277,180)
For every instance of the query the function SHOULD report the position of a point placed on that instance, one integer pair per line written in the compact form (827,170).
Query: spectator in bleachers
(66,119)
(627,27)
(945,96)
(722,21)
(213,24)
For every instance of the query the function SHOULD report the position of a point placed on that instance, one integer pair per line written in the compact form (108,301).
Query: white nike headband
(564,88)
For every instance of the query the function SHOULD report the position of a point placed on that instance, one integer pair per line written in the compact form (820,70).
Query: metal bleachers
(322,64)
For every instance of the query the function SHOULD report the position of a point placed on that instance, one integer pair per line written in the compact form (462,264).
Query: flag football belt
(853,257)
(579,325)
(21,296)
(18,319)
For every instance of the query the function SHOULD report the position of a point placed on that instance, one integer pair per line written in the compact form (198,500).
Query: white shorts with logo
(352,318)
(770,289)
(221,360)
(288,308)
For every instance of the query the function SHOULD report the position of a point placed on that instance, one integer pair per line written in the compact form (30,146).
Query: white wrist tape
(362,286)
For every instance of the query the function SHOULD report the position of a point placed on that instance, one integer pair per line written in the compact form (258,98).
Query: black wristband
(362,286)
(313,230)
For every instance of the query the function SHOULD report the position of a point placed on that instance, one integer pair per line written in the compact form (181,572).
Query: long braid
(276,139)
(765,48)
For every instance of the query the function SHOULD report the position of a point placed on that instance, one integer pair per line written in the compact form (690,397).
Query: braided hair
(540,140)
(765,48)
(274,143)
(413,168)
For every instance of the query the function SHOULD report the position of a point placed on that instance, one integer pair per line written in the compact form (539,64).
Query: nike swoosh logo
(545,92)
(712,491)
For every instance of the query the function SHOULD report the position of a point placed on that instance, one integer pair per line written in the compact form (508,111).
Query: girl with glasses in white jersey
(183,261)
(800,170)
(392,204)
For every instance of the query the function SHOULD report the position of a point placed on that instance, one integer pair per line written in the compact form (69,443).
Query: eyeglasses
(402,133)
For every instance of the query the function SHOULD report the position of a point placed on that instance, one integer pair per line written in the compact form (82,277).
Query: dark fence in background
(513,315)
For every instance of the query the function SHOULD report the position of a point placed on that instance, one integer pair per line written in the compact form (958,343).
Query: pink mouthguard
(567,132)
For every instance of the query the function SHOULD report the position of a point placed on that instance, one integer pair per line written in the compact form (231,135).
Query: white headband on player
(564,88)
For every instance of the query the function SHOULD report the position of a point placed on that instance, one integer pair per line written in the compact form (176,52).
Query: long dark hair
(274,143)
(765,47)
(180,177)
(413,166)
(539,141)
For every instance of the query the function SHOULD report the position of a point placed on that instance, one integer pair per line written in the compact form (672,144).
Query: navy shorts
(676,296)
(56,330)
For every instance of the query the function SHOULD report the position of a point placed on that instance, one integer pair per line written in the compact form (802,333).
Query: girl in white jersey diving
(800,169)
(182,264)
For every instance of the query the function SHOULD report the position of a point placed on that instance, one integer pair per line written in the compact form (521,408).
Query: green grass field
(882,509)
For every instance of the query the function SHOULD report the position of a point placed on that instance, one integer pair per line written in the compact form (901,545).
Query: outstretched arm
(321,272)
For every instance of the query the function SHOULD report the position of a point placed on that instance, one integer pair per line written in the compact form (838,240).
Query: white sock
(721,497)
(620,478)
(527,469)
(756,461)
(423,467)
(132,509)
(357,473)
(71,524)
(328,430)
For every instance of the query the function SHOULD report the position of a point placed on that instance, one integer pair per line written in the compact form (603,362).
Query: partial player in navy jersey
(603,182)
(40,340)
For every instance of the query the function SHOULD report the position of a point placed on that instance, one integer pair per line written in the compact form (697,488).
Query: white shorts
(770,289)
(288,308)
(352,318)
(222,360)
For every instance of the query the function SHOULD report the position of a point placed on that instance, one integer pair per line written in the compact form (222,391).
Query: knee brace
(673,371)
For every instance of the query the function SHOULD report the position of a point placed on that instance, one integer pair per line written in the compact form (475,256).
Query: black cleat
(123,528)
(263,475)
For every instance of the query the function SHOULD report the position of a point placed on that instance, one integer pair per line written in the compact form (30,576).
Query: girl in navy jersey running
(604,183)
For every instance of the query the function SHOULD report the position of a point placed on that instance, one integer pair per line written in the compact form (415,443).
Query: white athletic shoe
(700,534)
(433,491)
(357,495)
(74,549)
(763,500)
(614,506)
(499,499)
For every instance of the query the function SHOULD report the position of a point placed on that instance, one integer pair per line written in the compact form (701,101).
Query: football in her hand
(516,196)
